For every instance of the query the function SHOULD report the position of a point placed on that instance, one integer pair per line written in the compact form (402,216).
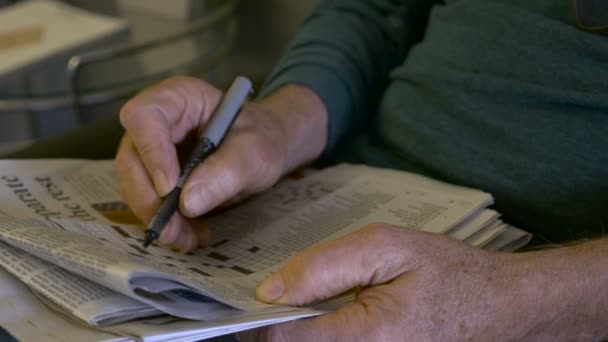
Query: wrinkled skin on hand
(267,140)
(415,286)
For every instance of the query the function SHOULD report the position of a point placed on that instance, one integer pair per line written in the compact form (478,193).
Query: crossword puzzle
(231,254)
(292,194)
(223,258)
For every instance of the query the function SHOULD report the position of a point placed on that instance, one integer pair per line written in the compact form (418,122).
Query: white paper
(77,296)
(62,211)
(27,319)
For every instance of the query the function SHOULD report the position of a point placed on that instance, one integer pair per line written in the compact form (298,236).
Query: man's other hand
(415,286)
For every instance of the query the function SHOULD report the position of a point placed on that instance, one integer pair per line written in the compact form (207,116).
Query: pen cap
(227,110)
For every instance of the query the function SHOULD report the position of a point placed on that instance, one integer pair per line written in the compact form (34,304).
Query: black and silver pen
(212,135)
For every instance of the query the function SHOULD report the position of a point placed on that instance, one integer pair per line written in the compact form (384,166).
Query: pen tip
(150,237)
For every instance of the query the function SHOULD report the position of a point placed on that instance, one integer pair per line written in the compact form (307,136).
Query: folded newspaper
(66,234)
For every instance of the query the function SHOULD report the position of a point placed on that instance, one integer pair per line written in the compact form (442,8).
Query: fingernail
(161,183)
(195,201)
(271,289)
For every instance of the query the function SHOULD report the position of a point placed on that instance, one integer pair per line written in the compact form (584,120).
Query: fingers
(135,185)
(371,256)
(156,120)
(179,234)
(162,116)
(251,158)
(138,191)
(213,182)
(246,162)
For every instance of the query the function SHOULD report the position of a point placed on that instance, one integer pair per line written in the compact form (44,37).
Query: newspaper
(28,319)
(68,236)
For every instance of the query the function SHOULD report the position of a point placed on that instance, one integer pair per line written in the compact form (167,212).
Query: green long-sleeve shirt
(503,95)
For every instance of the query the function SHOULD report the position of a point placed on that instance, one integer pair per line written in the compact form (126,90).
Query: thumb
(373,255)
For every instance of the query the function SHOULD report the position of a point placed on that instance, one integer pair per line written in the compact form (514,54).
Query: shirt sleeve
(344,51)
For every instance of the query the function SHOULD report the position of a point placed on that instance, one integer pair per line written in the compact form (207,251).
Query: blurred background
(65,63)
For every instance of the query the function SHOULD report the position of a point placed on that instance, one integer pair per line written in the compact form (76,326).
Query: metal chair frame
(76,97)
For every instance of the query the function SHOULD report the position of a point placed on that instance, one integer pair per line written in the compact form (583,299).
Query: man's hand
(423,287)
(267,140)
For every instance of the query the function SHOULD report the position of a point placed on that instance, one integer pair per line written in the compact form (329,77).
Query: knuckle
(129,110)
(263,162)
(227,183)
(215,185)
(301,260)
(265,157)
(152,152)
(170,90)
(148,149)
(188,85)
(179,79)
(380,232)
(381,235)
(405,246)
(135,109)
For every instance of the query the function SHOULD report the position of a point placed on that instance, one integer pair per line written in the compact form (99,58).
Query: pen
(212,135)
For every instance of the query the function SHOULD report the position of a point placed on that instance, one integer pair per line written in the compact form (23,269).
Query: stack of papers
(64,235)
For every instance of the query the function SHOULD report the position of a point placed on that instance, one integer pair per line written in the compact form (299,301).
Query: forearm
(303,119)
(344,51)
(566,292)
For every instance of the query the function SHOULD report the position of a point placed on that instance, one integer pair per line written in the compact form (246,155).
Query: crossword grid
(294,193)
(231,255)
(224,258)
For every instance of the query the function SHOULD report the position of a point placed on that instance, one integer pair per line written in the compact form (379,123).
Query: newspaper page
(41,191)
(86,191)
(230,268)
(29,316)
(510,240)
(60,189)
(252,240)
(102,263)
(26,318)
(81,298)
